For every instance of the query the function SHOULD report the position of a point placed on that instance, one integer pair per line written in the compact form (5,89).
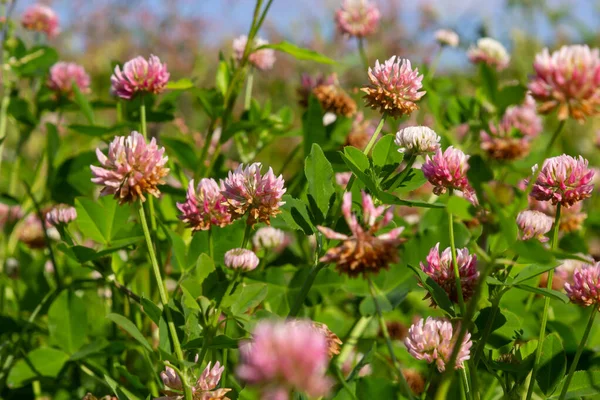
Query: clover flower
(41,18)
(447,37)
(357,18)
(417,140)
(204,207)
(524,118)
(64,74)
(262,59)
(490,52)
(309,82)
(585,287)
(139,76)
(61,214)
(448,170)
(205,387)
(534,225)
(269,238)
(241,259)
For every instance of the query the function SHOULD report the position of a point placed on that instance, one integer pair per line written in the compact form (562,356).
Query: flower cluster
(139,76)
(433,340)
(447,37)
(309,82)
(361,132)
(241,259)
(563,179)
(131,168)
(246,191)
(284,356)
(534,225)
(490,52)
(269,238)
(568,80)
(64,74)
(395,87)
(61,214)
(524,118)
(262,59)
(333,99)
(585,288)
(205,387)
(204,206)
(41,18)
(363,251)
(440,268)
(358,18)
(448,170)
(417,140)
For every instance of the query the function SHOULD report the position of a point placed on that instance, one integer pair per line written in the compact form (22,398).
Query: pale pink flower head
(139,76)
(171,379)
(270,238)
(564,272)
(262,59)
(357,18)
(365,250)
(241,259)
(523,118)
(206,385)
(417,140)
(285,356)
(204,207)
(563,179)
(585,288)
(342,178)
(395,87)
(534,225)
(567,80)
(440,268)
(64,74)
(31,231)
(571,219)
(41,18)
(61,214)
(491,52)
(247,191)
(9,214)
(131,168)
(433,340)
(447,37)
(448,170)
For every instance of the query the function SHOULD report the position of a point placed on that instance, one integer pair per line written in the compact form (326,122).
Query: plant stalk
(459,293)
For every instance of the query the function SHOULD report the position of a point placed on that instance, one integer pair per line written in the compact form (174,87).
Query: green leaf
(67,321)
(438,294)
(479,171)
(84,104)
(510,95)
(386,152)
(8,200)
(298,52)
(223,78)
(367,305)
(89,349)
(181,84)
(295,215)
(96,130)
(181,151)
(248,297)
(151,310)
(388,198)
(130,328)
(43,361)
(489,82)
(583,383)
(178,250)
(38,59)
(553,364)
(102,220)
(192,280)
(553,294)
(359,165)
(119,390)
(532,251)
(531,271)
(460,207)
(319,175)
(218,342)
(312,125)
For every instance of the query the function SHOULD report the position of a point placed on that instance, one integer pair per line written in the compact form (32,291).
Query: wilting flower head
(417,140)
(361,132)
(440,268)
(9,214)
(447,37)
(447,170)
(242,259)
(523,118)
(64,74)
(534,225)
(262,59)
(269,238)
(61,214)
(415,380)
(568,80)
(285,356)
(563,179)
(500,143)
(333,341)
(571,219)
(204,207)
(203,389)
(139,76)
(358,18)
(394,87)
(433,340)
(40,18)
(363,251)
(246,191)
(490,52)
(131,168)
(31,232)
(308,83)
(333,99)
(585,289)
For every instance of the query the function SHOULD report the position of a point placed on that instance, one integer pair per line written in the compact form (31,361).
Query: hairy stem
(249,82)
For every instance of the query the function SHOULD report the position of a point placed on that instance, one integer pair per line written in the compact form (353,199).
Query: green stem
(246,236)
(342,380)
(164,298)
(249,82)
(580,348)
(211,245)
(402,175)
(388,341)
(375,135)
(352,340)
(363,53)
(434,64)
(538,352)
(459,293)
(310,279)
(486,332)
(207,143)
(143,118)
(4,107)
